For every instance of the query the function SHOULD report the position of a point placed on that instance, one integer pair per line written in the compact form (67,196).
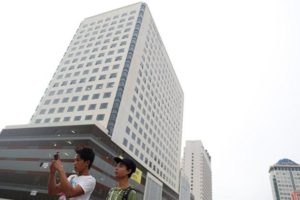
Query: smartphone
(56,156)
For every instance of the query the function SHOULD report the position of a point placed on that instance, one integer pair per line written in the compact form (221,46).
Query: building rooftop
(286,161)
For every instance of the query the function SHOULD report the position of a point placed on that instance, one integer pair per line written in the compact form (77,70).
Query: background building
(197,166)
(116,75)
(284,178)
(184,188)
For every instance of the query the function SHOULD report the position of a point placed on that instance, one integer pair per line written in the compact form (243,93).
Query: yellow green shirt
(117,194)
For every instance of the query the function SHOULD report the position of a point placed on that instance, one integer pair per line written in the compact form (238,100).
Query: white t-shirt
(87,183)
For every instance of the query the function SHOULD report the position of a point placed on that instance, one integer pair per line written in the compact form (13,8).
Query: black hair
(85,154)
(131,172)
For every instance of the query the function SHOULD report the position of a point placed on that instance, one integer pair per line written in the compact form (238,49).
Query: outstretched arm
(53,187)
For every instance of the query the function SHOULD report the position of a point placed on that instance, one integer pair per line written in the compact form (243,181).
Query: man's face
(80,164)
(121,170)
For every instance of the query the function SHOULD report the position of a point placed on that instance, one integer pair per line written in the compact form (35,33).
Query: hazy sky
(238,63)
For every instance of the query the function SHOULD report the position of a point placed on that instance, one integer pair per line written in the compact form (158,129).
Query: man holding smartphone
(78,186)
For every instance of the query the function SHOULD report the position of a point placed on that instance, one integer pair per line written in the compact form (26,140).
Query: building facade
(197,166)
(116,73)
(285,179)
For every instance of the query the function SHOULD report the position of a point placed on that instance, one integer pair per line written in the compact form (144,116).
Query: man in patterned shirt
(123,191)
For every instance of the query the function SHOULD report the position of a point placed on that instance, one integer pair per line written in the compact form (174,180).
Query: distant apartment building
(197,166)
(116,75)
(285,179)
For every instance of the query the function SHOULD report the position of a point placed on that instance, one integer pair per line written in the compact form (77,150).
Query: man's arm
(65,185)
(53,187)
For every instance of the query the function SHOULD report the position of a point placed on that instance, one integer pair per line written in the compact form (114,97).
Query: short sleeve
(132,195)
(87,184)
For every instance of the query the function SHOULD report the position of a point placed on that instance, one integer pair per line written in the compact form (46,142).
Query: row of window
(101,34)
(72,108)
(93,57)
(95,70)
(80,89)
(108,19)
(84,80)
(93,53)
(99,117)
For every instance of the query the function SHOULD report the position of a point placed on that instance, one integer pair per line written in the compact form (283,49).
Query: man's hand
(52,168)
(57,165)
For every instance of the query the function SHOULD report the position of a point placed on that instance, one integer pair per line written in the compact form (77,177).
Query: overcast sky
(238,63)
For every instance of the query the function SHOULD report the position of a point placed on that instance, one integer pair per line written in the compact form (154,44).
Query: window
(51,111)
(127,130)
(131,147)
(105,68)
(99,86)
(77,118)
(102,77)
(96,96)
(113,45)
(125,142)
(70,109)
(88,117)
(55,101)
(75,98)
(103,105)
(89,64)
(85,97)
(82,80)
(66,99)
(92,107)
(120,50)
(118,58)
(69,90)
(95,70)
(79,89)
(116,66)
(93,78)
(107,95)
(47,102)
(60,91)
(130,119)
(47,120)
(89,87)
(43,111)
(81,108)
(100,117)
(66,119)
(61,109)
(56,119)
(113,75)
(110,85)
(51,93)
(108,60)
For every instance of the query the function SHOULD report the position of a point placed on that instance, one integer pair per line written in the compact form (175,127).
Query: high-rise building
(116,73)
(184,188)
(197,166)
(284,178)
